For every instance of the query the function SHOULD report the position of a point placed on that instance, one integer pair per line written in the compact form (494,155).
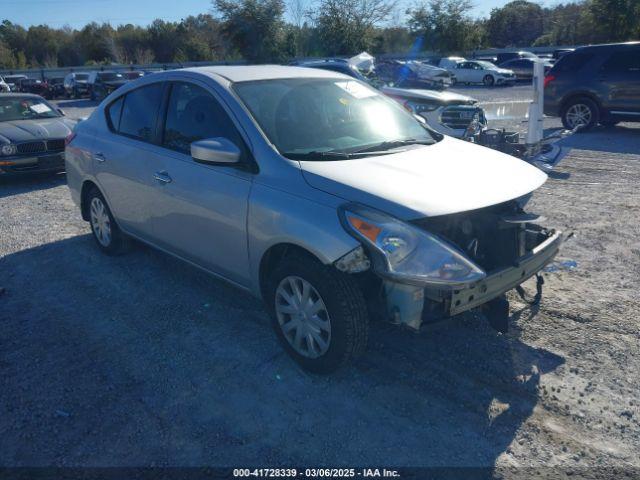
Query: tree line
(278,30)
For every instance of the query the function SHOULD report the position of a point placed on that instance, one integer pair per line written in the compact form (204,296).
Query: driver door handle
(99,157)
(162,177)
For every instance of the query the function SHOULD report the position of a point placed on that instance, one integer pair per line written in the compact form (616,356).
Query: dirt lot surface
(142,360)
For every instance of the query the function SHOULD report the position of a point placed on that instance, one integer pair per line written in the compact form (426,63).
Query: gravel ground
(143,360)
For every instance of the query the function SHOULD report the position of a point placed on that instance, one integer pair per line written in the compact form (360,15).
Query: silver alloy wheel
(100,222)
(578,114)
(303,317)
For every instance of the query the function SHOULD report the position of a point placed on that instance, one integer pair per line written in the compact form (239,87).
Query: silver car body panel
(431,179)
(224,219)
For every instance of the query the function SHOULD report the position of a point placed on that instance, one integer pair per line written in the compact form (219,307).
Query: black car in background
(32,135)
(75,84)
(595,84)
(523,67)
(35,86)
(502,57)
(56,87)
(103,83)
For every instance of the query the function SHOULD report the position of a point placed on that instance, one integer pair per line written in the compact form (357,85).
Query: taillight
(548,79)
(69,138)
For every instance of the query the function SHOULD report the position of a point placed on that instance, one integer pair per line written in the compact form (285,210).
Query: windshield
(82,77)
(316,116)
(25,108)
(109,76)
(485,65)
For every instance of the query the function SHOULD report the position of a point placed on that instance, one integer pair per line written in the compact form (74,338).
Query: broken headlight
(406,254)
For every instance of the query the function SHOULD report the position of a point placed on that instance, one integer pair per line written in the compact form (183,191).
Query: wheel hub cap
(303,317)
(578,114)
(100,222)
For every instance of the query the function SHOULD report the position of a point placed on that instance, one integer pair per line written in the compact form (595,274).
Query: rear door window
(140,112)
(194,114)
(623,62)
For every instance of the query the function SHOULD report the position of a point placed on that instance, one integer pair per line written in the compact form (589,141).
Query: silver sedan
(311,190)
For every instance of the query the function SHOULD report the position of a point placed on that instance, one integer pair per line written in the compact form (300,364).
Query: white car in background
(480,71)
(4,88)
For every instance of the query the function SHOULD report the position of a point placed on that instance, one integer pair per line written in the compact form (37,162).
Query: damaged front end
(437,267)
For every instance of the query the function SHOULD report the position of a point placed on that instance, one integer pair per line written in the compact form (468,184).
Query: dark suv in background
(595,84)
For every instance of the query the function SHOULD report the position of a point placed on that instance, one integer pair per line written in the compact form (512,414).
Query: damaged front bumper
(412,305)
(505,279)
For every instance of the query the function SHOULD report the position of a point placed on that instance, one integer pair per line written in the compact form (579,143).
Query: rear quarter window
(113,114)
(572,62)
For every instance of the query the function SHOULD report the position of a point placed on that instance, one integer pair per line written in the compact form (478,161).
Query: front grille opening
(31,147)
(56,145)
(481,235)
(459,117)
(40,146)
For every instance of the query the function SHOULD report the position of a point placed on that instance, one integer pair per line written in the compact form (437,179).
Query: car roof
(605,46)
(247,73)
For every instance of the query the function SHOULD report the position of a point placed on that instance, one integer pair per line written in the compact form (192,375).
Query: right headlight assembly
(8,149)
(407,254)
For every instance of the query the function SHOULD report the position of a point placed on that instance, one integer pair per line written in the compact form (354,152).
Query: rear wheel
(581,112)
(488,80)
(318,313)
(105,230)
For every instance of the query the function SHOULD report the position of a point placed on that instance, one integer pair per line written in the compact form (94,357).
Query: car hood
(450,176)
(431,95)
(40,129)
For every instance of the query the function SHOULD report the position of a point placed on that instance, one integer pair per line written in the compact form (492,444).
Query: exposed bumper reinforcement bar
(505,279)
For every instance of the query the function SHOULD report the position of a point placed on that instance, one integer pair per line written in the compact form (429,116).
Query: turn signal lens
(366,229)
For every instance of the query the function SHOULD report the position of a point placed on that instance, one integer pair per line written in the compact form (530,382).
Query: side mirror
(61,112)
(215,151)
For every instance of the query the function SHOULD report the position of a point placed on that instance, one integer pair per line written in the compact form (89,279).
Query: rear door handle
(99,157)
(162,177)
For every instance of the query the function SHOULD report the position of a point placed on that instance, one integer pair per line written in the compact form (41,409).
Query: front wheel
(488,80)
(318,313)
(580,112)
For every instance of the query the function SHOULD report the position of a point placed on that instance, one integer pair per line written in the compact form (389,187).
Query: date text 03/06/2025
(315,473)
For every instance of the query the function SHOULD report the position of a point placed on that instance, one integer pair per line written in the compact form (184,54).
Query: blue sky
(77,13)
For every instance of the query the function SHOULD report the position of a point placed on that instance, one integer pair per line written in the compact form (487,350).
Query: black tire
(580,103)
(118,241)
(345,305)
(488,80)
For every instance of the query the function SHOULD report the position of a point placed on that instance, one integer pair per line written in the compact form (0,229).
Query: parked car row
(95,84)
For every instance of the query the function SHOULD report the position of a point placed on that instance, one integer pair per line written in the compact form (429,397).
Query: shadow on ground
(619,139)
(17,185)
(140,358)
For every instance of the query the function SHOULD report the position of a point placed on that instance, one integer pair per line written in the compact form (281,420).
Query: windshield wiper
(389,144)
(316,155)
